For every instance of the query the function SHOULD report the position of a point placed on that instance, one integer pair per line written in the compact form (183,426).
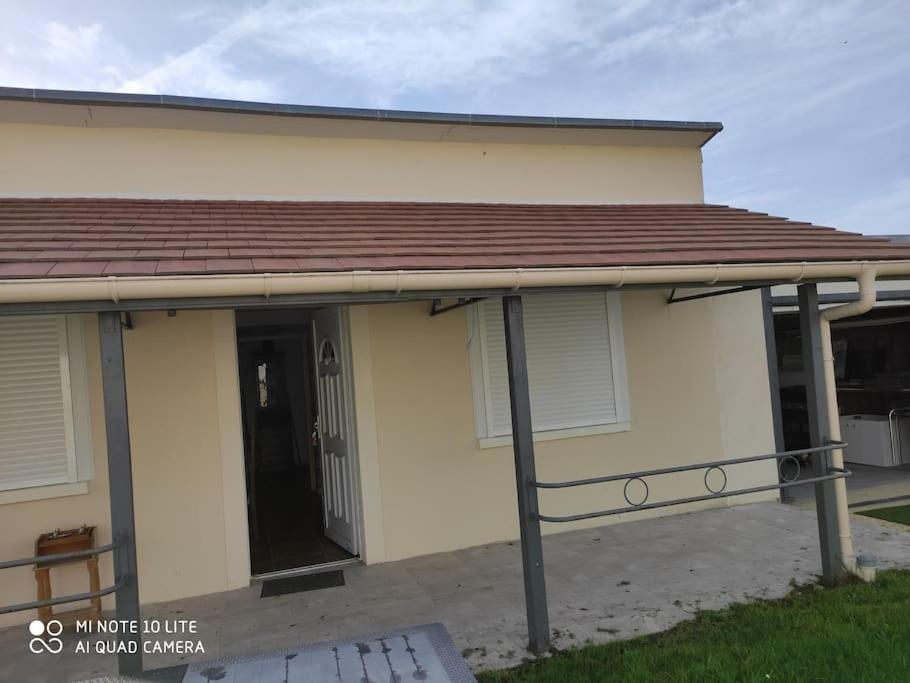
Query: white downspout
(867,293)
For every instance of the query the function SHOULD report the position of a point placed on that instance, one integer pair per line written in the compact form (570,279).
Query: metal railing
(709,467)
(53,559)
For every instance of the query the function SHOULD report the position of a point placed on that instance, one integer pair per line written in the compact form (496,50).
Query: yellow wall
(698,391)
(176,462)
(183,425)
(22,523)
(697,386)
(41,160)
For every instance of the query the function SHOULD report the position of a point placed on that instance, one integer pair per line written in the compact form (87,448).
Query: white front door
(339,503)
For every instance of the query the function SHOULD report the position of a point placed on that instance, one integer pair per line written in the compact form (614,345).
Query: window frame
(77,420)
(480,381)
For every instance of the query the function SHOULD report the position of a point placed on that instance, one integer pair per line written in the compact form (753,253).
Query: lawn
(899,514)
(858,632)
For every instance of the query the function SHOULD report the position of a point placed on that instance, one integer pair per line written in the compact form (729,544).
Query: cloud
(885,213)
(691,28)
(199,74)
(390,49)
(387,47)
(722,55)
(87,57)
(412,45)
(58,55)
(205,70)
(65,43)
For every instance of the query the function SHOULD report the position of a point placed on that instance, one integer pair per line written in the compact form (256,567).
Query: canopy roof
(58,238)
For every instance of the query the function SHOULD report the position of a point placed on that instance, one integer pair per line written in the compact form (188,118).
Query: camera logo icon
(45,636)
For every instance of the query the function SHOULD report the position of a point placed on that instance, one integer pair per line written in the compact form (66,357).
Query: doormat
(299,584)
(419,653)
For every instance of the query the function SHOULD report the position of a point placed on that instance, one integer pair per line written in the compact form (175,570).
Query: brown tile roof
(92,237)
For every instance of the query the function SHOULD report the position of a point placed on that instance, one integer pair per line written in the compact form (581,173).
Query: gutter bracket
(673,299)
(436,308)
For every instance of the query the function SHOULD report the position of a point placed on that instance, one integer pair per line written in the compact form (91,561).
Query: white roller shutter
(570,362)
(37,444)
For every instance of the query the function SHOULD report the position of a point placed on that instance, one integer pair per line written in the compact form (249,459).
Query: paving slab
(603,583)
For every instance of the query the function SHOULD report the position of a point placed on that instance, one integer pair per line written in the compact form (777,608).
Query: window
(44,418)
(576,366)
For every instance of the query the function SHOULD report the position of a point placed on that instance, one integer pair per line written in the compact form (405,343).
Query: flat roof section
(103,109)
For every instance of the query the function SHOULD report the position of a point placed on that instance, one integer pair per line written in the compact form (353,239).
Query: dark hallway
(281,451)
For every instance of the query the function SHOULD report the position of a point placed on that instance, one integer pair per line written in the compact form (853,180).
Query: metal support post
(525,477)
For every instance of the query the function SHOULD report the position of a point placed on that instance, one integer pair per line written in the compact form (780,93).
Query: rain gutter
(129,288)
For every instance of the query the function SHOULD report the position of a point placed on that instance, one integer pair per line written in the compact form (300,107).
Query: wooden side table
(68,540)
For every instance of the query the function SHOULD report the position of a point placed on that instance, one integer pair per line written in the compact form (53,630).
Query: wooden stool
(69,540)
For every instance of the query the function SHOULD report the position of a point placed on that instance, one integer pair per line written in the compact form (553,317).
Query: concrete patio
(868,486)
(604,584)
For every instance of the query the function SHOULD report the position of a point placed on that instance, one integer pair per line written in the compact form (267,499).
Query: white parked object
(869,440)
(899,422)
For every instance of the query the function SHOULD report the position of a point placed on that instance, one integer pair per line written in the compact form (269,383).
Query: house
(188,286)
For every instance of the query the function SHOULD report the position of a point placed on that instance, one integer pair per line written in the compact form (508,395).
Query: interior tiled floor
(603,584)
(290,533)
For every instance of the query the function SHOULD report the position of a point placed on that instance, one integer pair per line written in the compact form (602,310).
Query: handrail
(62,557)
(76,597)
(48,559)
(721,492)
(694,499)
(685,468)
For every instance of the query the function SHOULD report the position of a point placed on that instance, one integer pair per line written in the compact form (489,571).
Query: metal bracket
(436,308)
(673,299)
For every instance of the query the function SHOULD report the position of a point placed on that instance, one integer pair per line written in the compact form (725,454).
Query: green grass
(858,632)
(899,514)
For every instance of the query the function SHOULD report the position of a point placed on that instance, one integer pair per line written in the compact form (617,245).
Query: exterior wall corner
(373,547)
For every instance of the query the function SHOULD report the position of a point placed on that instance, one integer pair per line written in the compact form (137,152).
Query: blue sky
(815,96)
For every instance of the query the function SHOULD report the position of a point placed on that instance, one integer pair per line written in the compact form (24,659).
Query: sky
(814,96)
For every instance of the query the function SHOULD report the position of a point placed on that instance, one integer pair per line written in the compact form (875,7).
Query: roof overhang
(118,110)
(82,250)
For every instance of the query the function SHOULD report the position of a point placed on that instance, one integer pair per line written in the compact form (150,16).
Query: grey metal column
(819,433)
(525,477)
(120,482)
(773,377)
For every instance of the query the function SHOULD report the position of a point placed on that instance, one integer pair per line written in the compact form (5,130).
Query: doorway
(297,451)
